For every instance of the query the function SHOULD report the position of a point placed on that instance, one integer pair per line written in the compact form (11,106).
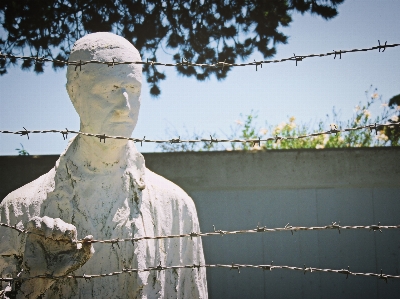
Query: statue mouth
(121,117)
(125,122)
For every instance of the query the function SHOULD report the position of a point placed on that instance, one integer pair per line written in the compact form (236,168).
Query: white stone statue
(102,191)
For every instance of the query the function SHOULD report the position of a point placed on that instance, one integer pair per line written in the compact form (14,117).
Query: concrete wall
(238,190)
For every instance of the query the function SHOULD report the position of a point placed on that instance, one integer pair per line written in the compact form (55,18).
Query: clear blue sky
(308,91)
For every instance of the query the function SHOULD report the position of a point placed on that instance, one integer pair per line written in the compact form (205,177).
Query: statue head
(107,98)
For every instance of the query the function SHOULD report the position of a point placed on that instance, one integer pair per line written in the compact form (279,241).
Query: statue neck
(98,155)
(115,157)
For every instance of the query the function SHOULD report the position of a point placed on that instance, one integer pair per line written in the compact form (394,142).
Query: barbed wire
(258,229)
(233,266)
(184,62)
(102,137)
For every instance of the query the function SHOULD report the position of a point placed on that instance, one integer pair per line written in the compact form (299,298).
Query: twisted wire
(258,229)
(184,62)
(233,266)
(102,137)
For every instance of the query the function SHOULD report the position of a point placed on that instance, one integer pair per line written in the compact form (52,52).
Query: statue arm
(51,248)
(10,258)
(193,283)
(191,253)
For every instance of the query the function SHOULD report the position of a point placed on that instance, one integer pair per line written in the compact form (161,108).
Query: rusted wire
(103,137)
(258,229)
(269,267)
(184,62)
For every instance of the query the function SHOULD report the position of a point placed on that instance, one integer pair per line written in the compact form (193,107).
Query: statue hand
(51,248)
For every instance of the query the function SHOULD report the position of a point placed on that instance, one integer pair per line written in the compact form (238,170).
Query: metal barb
(383,276)
(235,267)
(376,227)
(79,64)
(260,63)
(212,140)
(159,267)
(336,226)
(150,62)
(127,271)
(297,58)
(37,59)
(102,137)
(374,127)
(223,64)
(64,134)
(112,64)
(340,54)
(26,132)
(176,140)
(287,226)
(196,266)
(115,242)
(344,271)
(193,234)
(268,267)
(136,140)
(260,229)
(384,46)
(334,129)
(221,232)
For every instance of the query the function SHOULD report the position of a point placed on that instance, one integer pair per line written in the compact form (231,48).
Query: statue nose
(126,96)
(123,106)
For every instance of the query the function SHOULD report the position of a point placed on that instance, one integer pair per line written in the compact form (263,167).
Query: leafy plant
(246,128)
(188,146)
(22,151)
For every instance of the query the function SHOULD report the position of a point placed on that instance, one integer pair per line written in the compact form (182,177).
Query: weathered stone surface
(102,190)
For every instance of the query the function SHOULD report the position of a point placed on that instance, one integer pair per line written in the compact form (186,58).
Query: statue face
(107,99)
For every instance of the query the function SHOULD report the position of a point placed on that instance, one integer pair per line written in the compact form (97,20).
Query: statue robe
(121,201)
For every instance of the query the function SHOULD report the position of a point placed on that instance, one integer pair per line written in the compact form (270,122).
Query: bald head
(105,97)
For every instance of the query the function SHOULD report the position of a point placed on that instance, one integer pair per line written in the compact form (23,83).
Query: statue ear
(72,90)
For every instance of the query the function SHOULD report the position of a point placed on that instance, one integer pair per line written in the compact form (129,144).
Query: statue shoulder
(17,208)
(164,188)
(33,193)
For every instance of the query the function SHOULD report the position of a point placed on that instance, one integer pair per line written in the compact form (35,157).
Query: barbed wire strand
(258,229)
(270,267)
(184,62)
(102,137)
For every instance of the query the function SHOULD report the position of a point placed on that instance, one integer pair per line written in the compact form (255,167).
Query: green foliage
(395,101)
(246,128)
(22,151)
(200,31)
(198,145)
(247,132)
(394,133)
